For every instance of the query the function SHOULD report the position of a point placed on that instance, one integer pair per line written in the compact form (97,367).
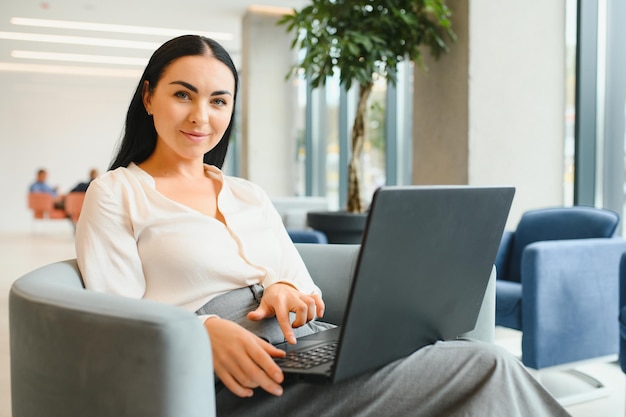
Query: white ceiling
(223,17)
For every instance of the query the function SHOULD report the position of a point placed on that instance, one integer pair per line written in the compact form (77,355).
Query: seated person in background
(82,186)
(166,224)
(41,186)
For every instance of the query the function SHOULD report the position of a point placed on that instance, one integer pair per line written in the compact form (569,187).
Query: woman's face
(192,105)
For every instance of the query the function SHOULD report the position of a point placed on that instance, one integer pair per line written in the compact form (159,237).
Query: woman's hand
(243,361)
(280,299)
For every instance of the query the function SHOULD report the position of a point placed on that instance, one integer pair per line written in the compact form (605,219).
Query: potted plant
(361,40)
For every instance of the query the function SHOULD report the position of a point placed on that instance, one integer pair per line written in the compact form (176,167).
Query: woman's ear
(146,96)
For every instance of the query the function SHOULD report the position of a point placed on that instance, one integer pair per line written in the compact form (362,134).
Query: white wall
(65,124)
(69,124)
(517,99)
(492,111)
(269,103)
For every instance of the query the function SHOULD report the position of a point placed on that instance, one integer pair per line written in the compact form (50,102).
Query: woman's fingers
(309,308)
(304,310)
(320,306)
(231,383)
(280,300)
(284,321)
(242,361)
(266,372)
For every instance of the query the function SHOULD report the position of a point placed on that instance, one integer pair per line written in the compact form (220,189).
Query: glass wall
(594,119)
(600,104)
(327,122)
(570,101)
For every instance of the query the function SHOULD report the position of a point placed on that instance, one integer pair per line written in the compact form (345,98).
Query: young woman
(164,223)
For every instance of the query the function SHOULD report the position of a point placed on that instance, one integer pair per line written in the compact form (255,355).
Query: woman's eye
(182,95)
(220,102)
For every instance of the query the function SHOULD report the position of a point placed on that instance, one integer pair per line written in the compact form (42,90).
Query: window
(327,123)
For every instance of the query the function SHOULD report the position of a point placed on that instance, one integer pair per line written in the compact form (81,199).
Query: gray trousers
(453,378)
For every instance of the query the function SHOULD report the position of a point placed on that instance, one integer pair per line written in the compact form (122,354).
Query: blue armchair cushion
(622,312)
(509,304)
(570,298)
(504,253)
(622,338)
(557,283)
(307,236)
(557,223)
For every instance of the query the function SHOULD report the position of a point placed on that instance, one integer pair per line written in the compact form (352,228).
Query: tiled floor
(562,383)
(52,242)
(18,255)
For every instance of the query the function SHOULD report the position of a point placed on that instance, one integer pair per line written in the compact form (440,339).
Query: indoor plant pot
(338,226)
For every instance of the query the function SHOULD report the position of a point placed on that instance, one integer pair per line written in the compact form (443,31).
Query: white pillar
(268,106)
(492,110)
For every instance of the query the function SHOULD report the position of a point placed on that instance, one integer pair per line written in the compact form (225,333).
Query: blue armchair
(558,284)
(622,312)
(307,236)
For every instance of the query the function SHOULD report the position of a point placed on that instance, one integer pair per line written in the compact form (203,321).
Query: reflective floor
(54,241)
(568,384)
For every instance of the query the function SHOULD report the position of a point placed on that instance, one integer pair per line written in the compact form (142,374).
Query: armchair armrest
(622,312)
(81,353)
(560,273)
(331,266)
(504,253)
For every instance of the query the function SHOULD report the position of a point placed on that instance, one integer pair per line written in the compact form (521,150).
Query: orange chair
(42,205)
(73,205)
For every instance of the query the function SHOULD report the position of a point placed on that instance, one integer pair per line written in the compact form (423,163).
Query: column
(492,111)
(268,102)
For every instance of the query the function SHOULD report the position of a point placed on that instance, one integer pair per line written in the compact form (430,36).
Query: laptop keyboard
(309,357)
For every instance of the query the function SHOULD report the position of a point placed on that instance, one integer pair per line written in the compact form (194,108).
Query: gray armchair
(81,353)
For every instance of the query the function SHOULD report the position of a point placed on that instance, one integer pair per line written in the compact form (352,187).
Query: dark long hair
(139,139)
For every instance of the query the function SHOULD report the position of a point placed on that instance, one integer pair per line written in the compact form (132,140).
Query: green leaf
(365,37)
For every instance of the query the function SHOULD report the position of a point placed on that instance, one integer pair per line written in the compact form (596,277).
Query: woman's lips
(196,136)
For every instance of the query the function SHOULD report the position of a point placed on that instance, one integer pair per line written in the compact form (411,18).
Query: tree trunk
(355,201)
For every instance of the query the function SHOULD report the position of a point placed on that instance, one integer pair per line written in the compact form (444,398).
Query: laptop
(422,270)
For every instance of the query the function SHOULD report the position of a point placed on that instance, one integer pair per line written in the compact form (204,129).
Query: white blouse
(133,241)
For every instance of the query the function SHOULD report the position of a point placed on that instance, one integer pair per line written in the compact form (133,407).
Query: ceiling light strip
(105,27)
(70,70)
(79,40)
(92,59)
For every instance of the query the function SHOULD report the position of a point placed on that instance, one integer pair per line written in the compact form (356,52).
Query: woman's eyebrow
(186,85)
(195,90)
(221,93)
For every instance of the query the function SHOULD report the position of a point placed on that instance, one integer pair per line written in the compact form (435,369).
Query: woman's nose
(199,114)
